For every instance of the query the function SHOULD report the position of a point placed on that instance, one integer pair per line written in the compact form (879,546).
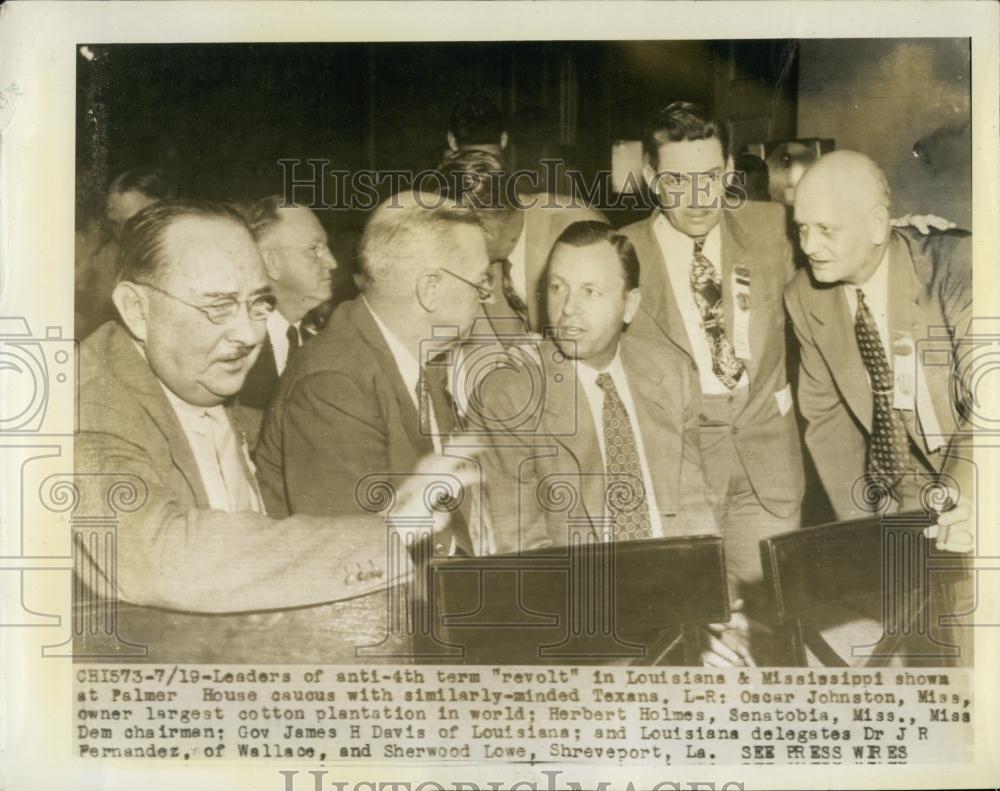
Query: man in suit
(617,409)
(520,232)
(875,410)
(359,398)
(193,300)
(298,263)
(713,274)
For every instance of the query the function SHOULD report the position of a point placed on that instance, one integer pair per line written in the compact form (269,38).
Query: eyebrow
(235,294)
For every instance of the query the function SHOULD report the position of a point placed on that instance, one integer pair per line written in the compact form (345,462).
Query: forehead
(691,155)
(207,256)
(299,223)
(820,201)
(595,263)
(464,242)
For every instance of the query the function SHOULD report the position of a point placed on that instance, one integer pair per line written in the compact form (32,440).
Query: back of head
(476,120)
(680,121)
(263,215)
(406,232)
(150,180)
(142,256)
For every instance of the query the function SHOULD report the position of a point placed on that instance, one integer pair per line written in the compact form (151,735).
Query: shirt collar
(407,364)
(278,324)
(676,238)
(615,368)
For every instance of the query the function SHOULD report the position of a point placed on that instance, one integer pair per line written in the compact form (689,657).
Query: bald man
(877,409)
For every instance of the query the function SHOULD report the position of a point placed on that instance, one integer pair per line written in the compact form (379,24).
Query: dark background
(220,116)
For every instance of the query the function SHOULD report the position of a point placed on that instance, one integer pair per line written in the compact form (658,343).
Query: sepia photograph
(607,406)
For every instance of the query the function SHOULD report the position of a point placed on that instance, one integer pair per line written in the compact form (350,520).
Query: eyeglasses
(484,290)
(259,307)
(320,250)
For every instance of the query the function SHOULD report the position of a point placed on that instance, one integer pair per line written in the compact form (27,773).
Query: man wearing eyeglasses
(360,398)
(299,266)
(194,300)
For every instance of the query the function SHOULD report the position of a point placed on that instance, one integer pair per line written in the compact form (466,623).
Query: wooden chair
(636,602)
(882,561)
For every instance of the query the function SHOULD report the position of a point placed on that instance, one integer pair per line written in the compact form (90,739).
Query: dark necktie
(621,459)
(432,394)
(707,290)
(293,339)
(888,443)
(510,293)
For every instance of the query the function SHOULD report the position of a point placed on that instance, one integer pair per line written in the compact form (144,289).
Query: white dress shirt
(195,421)
(678,253)
(587,377)
(518,264)
(277,331)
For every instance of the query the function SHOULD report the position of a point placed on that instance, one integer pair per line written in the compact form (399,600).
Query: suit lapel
(835,337)
(133,370)
(658,297)
(364,322)
(568,419)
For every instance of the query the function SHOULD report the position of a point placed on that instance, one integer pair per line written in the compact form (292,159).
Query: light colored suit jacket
(544,473)
(930,292)
(173,550)
(764,432)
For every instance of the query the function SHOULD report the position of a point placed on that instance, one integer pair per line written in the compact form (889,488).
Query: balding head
(842,214)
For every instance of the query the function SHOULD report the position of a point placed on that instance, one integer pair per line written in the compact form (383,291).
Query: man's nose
(807,241)
(245,330)
(329,259)
(572,305)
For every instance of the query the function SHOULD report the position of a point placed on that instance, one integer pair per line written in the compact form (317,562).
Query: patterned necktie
(707,290)
(510,293)
(432,393)
(888,444)
(621,459)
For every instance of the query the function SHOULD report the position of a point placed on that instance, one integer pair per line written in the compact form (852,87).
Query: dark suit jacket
(173,550)
(531,466)
(930,288)
(767,440)
(262,380)
(545,218)
(342,412)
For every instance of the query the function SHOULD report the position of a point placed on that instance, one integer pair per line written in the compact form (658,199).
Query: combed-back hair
(142,254)
(264,214)
(680,121)
(588,232)
(150,180)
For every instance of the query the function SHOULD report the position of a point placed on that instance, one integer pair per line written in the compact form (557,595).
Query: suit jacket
(764,432)
(342,412)
(532,465)
(262,379)
(173,550)
(930,287)
(545,218)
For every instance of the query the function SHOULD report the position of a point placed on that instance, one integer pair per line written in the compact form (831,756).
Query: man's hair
(680,121)
(142,250)
(263,215)
(150,180)
(588,232)
(477,180)
(394,240)
(476,119)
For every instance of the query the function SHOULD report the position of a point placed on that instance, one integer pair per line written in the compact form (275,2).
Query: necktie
(432,394)
(888,443)
(510,293)
(621,459)
(293,339)
(227,456)
(707,290)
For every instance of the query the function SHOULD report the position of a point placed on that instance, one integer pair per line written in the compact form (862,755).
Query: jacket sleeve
(169,554)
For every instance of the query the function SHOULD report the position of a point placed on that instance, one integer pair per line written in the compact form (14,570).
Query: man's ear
(452,142)
(503,140)
(428,290)
(632,301)
(133,306)
(879,224)
(271,266)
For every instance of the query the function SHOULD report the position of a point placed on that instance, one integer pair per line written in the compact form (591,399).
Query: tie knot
(293,336)
(861,295)
(699,244)
(605,382)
